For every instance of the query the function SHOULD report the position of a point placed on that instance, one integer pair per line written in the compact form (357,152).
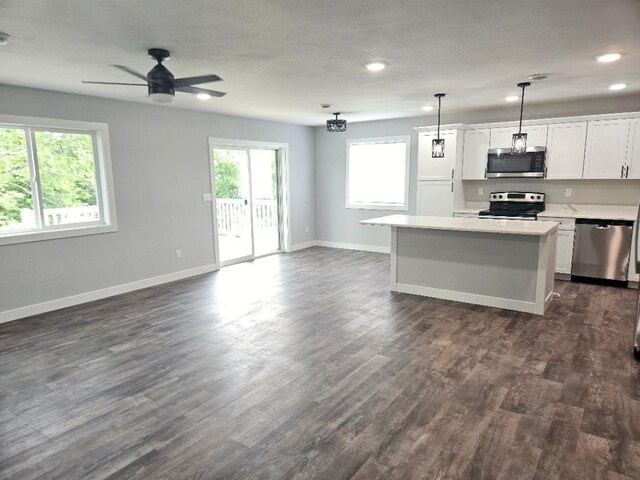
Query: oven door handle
(504,217)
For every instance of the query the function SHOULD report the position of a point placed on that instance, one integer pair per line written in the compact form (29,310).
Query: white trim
(39,235)
(406,139)
(473,298)
(214,142)
(301,246)
(105,193)
(9,315)
(538,121)
(354,246)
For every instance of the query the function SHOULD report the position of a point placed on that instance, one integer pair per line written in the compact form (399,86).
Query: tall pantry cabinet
(439,189)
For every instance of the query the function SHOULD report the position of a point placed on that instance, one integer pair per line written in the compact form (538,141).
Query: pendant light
(336,125)
(437,145)
(519,142)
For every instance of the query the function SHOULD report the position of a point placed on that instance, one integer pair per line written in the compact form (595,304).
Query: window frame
(406,139)
(103,174)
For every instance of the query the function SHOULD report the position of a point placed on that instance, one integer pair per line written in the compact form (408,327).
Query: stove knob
(499,196)
(539,197)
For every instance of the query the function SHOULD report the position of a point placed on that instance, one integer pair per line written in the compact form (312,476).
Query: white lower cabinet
(435,198)
(564,250)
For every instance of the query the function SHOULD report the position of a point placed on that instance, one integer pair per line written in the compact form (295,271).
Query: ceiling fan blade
(188,81)
(133,72)
(196,90)
(115,83)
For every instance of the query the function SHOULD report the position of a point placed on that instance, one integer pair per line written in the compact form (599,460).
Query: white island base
(498,263)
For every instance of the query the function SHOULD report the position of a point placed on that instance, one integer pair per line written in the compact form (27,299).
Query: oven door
(502,163)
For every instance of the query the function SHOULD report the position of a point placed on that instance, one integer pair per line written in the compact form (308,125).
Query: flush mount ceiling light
(375,66)
(437,144)
(609,57)
(4,38)
(512,98)
(427,108)
(336,124)
(618,86)
(519,142)
(203,96)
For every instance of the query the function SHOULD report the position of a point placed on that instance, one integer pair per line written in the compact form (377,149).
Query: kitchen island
(498,263)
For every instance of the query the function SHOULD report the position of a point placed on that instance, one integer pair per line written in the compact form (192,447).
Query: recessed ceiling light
(203,96)
(4,38)
(427,108)
(376,66)
(618,86)
(512,98)
(609,57)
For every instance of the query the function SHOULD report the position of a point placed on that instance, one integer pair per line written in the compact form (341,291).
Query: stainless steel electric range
(514,205)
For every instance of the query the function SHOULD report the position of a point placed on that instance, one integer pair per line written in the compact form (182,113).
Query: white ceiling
(281,58)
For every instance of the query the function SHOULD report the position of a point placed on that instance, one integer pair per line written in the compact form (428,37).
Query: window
(378,173)
(55,179)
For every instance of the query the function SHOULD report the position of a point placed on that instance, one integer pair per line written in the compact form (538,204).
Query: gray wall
(335,223)
(160,168)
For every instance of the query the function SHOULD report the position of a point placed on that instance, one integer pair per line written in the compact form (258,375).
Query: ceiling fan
(161,83)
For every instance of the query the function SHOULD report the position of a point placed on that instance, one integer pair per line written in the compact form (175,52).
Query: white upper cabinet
(502,137)
(606,151)
(633,155)
(565,150)
(474,157)
(436,168)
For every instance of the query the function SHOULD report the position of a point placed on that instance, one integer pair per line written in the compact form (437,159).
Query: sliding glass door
(247,203)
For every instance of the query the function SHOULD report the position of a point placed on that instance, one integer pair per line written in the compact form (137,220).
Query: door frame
(283,180)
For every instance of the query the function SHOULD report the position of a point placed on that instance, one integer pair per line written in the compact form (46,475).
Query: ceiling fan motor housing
(161,81)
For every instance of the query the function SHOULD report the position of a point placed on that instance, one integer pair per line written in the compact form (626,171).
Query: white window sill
(26,237)
(378,206)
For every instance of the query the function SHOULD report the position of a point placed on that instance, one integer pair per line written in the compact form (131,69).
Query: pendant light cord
(521,109)
(439,106)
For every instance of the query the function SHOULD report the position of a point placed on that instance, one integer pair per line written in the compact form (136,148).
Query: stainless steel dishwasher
(601,251)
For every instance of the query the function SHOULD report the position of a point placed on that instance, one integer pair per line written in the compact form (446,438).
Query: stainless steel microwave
(501,163)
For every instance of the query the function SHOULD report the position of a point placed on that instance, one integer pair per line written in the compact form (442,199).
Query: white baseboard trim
(15,314)
(302,246)
(473,298)
(354,246)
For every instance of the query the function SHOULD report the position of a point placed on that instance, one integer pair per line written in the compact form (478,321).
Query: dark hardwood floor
(306,366)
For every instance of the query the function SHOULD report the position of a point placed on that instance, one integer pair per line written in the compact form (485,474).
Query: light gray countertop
(514,227)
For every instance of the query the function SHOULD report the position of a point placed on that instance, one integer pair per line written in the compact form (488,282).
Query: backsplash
(592,192)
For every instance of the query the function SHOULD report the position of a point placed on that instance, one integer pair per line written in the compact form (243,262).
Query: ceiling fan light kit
(336,124)
(519,140)
(162,85)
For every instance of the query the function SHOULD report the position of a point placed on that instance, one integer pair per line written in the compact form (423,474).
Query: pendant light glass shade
(437,148)
(437,145)
(336,124)
(519,141)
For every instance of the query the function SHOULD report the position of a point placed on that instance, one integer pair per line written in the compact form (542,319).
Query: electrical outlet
(480,191)
(567,192)
(178,253)
(306,229)
(206,197)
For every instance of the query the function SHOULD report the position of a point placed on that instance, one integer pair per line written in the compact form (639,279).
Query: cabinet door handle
(451,187)
(485,172)
(452,174)
(622,172)
(627,174)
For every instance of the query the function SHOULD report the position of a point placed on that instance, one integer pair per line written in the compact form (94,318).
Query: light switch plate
(480,191)
(206,197)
